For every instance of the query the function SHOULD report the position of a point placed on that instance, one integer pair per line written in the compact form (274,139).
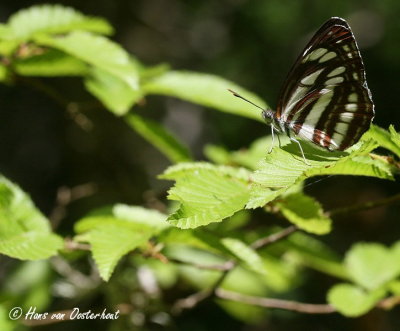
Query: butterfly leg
(301,149)
(273,139)
(279,140)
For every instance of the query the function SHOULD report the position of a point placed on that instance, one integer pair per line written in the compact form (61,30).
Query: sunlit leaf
(8,47)
(284,167)
(306,250)
(353,301)
(204,89)
(98,51)
(371,265)
(194,238)
(207,193)
(6,324)
(28,284)
(305,212)
(245,254)
(110,242)
(140,215)
(24,232)
(50,63)
(112,91)
(389,140)
(114,235)
(217,154)
(158,136)
(53,19)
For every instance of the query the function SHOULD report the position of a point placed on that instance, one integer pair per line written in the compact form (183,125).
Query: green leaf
(112,236)
(285,167)
(207,193)
(395,136)
(31,245)
(195,238)
(3,73)
(394,287)
(251,157)
(246,254)
(5,323)
(274,273)
(115,94)
(8,47)
(261,195)
(111,242)
(158,136)
(217,154)
(51,63)
(4,31)
(207,90)
(24,232)
(353,301)
(243,281)
(245,157)
(140,215)
(55,19)
(97,51)
(372,265)
(305,212)
(29,284)
(302,249)
(389,140)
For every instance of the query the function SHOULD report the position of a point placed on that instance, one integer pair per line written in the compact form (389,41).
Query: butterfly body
(325,98)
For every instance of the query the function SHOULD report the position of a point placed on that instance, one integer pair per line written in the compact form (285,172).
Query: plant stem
(194,299)
(364,206)
(276,303)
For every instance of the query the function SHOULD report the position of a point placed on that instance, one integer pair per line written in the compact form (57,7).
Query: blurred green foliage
(91,168)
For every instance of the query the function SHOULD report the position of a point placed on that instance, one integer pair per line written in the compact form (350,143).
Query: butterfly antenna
(317,181)
(243,98)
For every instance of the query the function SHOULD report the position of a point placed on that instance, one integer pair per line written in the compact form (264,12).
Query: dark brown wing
(325,98)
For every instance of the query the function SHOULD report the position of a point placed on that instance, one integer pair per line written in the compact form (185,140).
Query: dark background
(252,43)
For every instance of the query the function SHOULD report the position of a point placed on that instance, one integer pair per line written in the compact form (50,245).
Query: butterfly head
(268,115)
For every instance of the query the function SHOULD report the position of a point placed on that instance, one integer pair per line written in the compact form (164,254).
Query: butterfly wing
(325,98)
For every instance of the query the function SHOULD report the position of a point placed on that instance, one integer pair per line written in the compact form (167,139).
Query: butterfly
(325,98)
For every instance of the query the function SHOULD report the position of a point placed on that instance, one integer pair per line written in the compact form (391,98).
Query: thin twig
(389,303)
(219,267)
(274,237)
(74,110)
(196,298)
(308,308)
(300,307)
(66,195)
(80,280)
(364,206)
(71,245)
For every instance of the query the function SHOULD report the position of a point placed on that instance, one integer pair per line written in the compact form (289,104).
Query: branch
(73,109)
(300,307)
(307,308)
(194,299)
(219,267)
(71,245)
(390,302)
(273,237)
(364,206)
(66,195)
